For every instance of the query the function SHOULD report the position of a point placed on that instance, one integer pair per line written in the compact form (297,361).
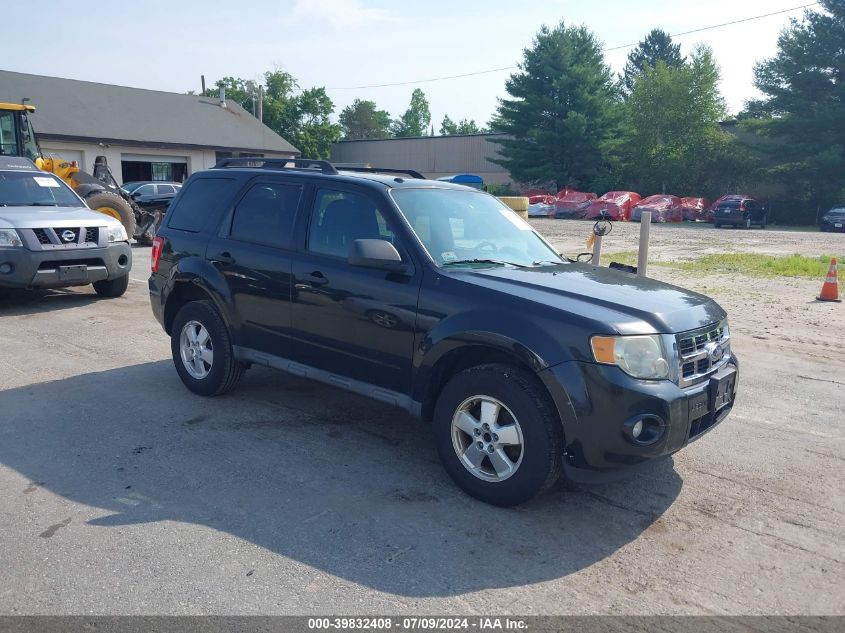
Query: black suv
(439,299)
(739,211)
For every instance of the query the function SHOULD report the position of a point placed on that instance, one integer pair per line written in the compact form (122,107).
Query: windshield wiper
(41,204)
(500,262)
(549,261)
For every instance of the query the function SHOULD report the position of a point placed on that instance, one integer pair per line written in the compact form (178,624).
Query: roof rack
(278,163)
(380,170)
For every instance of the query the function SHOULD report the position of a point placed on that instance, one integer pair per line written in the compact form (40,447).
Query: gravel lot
(122,493)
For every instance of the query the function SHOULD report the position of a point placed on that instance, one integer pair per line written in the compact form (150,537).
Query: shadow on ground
(331,480)
(23,302)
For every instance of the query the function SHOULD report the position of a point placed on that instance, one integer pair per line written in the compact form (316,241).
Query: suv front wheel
(498,434)
(202,350)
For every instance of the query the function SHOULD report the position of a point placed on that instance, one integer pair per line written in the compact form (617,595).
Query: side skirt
(335,380)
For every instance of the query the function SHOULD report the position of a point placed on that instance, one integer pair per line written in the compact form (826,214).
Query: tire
(716,225)
(535,461)
(224,371)
(111,288)
(764,222)
(114,206)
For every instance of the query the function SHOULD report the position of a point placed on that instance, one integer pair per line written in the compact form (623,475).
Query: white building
(144,134)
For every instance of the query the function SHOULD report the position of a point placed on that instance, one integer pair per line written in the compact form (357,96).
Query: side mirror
(378,254)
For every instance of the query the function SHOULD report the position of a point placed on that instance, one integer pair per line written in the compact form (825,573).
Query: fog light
(5,268)
(637,429)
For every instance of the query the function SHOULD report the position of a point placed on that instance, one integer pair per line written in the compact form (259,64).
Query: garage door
(67,154)
(153,167)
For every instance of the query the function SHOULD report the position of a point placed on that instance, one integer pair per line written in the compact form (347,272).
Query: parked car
(739,211)
(616,204)
(49,238)
(439,299)
(833,220)
(542,206)
(663,209)
(694,209)
(152,195)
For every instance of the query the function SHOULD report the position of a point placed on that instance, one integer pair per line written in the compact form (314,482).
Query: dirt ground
(124,494)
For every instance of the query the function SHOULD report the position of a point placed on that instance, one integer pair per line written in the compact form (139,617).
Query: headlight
(9,238)
(637,356)
(117,233)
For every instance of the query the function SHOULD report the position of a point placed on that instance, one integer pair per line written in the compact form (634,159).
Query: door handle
(224,258)
(316,278)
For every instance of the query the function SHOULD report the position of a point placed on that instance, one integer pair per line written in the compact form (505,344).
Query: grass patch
(623,257)
(757,265)
(753,264)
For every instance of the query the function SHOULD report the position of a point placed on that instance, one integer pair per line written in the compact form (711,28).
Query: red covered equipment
(617,204)
(572,203)
(664,208)
(693,209)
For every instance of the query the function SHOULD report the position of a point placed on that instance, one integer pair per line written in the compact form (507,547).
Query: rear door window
(266,213)
(165,189)
(202,199)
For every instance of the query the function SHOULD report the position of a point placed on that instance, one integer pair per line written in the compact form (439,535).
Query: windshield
(457,227)
(838,213)
(129,187)
(32,188)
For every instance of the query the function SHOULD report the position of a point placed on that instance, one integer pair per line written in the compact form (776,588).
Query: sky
(345,44)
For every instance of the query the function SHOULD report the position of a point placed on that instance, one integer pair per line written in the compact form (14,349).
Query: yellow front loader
(100,192)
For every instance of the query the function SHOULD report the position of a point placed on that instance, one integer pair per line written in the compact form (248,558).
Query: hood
(615,301)
(54,217)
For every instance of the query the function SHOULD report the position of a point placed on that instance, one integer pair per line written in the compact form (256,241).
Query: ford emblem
(715,352)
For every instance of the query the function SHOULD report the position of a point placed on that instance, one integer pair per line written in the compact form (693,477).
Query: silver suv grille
(702,352)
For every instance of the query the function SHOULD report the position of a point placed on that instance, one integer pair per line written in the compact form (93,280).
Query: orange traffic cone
(830,289)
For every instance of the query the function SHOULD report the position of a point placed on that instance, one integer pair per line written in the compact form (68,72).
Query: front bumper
(63,268)
(599,403)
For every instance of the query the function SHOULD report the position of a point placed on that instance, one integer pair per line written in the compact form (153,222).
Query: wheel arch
(455,354)
(195,280)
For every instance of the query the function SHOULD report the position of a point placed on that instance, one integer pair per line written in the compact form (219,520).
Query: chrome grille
(702,352)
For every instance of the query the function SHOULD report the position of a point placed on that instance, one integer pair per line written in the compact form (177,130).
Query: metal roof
(84,110)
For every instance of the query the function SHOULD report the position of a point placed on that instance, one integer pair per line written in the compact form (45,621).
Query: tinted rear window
(202,199)
(729,204)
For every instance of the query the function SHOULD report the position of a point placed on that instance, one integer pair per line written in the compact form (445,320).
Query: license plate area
(838,225)
(73,273)
(722,388)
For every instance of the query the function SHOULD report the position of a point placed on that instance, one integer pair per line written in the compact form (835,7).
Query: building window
(161,171)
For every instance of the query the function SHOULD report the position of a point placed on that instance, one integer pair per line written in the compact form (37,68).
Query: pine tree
(801,120)
(562,114)
(657,46)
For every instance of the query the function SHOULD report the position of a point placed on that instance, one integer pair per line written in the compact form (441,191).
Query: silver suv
(50,239)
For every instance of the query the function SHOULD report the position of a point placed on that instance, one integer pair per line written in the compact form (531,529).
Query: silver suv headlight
(9,238)
(117,233)
(641,356)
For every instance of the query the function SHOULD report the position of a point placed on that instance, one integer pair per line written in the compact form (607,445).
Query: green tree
(416,119)
(800,123)
(657,46)
(562,114)
(465,126)
(673,141)
(447,126)
(302,119)
(363,120)
(315,132)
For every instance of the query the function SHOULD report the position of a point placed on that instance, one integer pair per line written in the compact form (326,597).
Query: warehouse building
(144,134)
(432,156)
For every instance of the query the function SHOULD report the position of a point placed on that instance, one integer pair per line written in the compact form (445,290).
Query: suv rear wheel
(202,350)
(498,434)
